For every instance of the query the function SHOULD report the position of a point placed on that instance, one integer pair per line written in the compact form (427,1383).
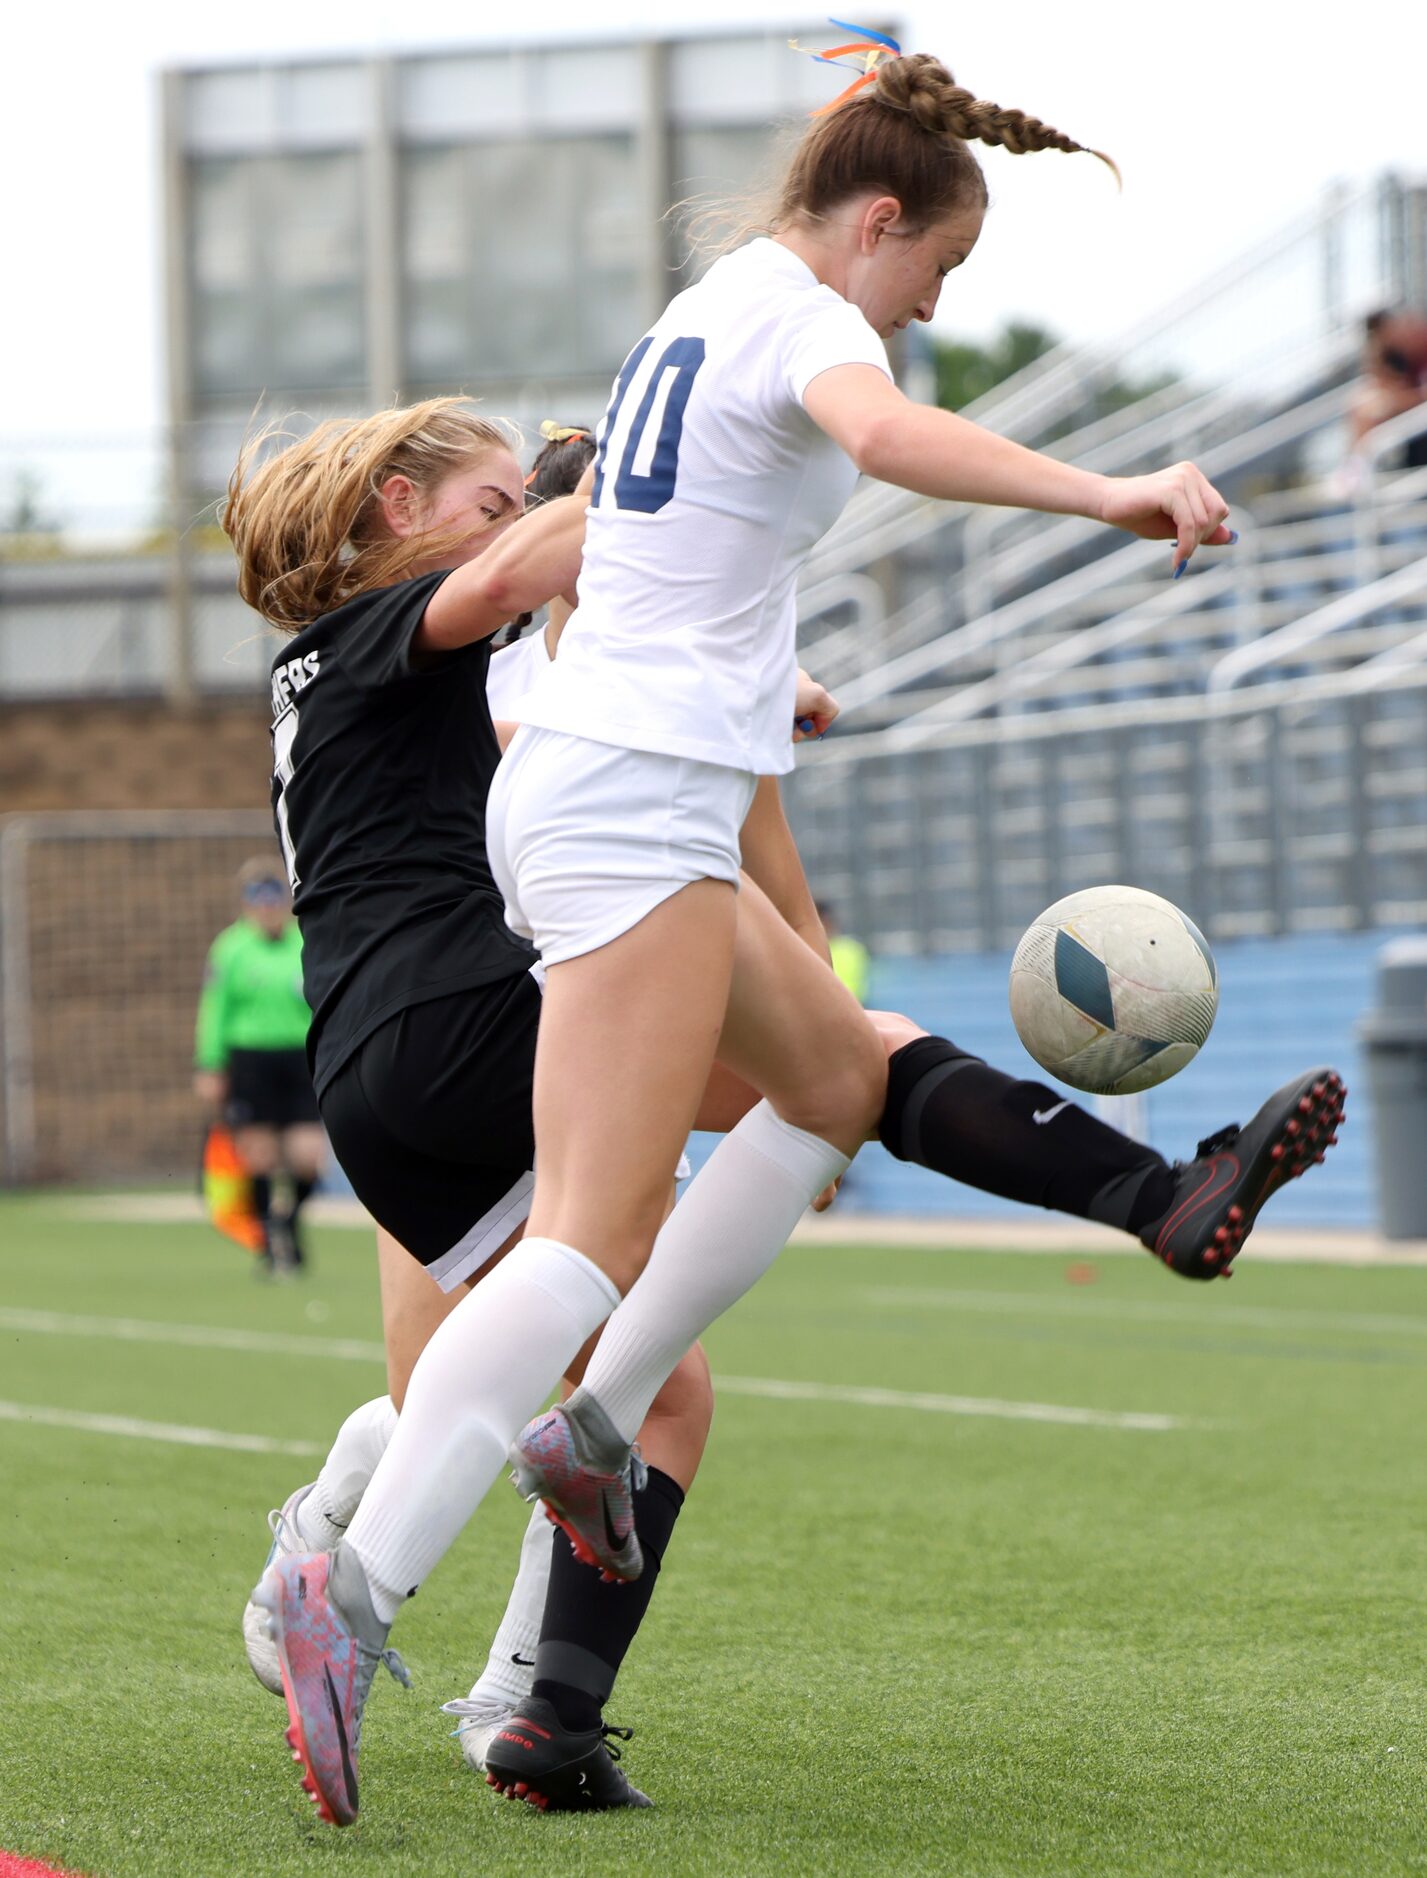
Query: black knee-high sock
(589,1625)
(301,1191)
(263,1201)
(956,1115)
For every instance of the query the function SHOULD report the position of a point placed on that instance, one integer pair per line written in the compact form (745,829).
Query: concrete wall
(128,753)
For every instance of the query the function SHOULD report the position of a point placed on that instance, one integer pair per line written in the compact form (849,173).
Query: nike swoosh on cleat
(347,1773)
(616,1538)
(1042,1116)
(1225,1165)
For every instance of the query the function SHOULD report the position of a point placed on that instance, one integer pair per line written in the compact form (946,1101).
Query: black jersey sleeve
(372,635)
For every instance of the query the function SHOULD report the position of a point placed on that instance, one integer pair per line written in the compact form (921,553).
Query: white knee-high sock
(510,1668)
(489,1367)
(327,1510)
(719,1240)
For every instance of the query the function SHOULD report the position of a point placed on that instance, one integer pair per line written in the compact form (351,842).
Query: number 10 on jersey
(645,449)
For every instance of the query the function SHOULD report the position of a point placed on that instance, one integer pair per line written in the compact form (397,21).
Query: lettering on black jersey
(290,678)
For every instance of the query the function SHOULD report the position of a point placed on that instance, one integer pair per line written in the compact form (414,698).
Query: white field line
(952,1404)
(204,1336)
(133,1430)
(1143,1310)
(1038,1233)
(193,1336)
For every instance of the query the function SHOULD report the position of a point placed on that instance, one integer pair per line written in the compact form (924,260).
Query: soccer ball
(1113,990)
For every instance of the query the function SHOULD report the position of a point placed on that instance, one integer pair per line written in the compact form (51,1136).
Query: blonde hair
(306,521)
(908,134)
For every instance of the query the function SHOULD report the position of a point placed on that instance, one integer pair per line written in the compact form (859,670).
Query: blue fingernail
(1180,569)
(1233,536)
(807,726)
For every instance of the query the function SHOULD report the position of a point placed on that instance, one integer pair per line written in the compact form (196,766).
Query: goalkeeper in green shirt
(250,1054)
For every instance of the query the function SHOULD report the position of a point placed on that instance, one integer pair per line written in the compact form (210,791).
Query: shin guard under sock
(956,1115)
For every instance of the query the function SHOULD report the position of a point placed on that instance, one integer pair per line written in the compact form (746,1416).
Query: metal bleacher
(1030,704)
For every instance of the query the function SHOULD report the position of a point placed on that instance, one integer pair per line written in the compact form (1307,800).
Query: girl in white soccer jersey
(732,440)
(423,1039)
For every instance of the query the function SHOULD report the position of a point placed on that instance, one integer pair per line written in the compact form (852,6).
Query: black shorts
(269,1089)
(430,1120)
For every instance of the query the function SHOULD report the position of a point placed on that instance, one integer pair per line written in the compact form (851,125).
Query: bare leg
(792,1030)
(259,1150)
(627,1039)
(304,1151)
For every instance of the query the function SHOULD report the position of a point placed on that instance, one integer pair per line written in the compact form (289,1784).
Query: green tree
(965,372)
(28,529)
(25,512)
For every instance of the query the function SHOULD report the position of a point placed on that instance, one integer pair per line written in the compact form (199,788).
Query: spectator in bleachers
(1394,380)
(250,1054)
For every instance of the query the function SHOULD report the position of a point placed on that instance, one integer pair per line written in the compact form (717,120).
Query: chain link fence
(105,921)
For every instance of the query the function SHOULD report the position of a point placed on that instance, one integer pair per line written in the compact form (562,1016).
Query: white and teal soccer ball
(1113,990)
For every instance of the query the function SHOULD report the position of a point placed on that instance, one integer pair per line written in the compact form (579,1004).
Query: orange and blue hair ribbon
(872,47)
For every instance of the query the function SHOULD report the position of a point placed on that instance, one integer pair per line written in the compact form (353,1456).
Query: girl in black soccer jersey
(383,755)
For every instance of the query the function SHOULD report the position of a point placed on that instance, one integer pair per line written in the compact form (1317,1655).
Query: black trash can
(1394,1039)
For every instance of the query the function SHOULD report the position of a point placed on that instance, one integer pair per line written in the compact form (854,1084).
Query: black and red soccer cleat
(535,1758)
(1217,1196)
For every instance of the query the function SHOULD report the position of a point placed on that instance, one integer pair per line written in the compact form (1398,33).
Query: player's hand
(1178,504)
(815,705)
(827,1196)
(211,1088)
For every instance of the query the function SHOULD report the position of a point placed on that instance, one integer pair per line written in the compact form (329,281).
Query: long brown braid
(910,135)
(923,87)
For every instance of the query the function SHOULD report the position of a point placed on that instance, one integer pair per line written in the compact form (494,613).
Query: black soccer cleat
(535,1758)
(1217,1196)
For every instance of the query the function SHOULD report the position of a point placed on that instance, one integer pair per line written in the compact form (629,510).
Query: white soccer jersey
(712,486)
(513,671)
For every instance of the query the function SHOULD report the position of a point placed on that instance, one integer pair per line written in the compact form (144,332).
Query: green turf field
(893,1637)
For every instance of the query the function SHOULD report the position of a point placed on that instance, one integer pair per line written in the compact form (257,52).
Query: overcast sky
(1225,123)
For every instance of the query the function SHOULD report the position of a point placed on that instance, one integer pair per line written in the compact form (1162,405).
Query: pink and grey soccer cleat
(327,1669)
(573,1459)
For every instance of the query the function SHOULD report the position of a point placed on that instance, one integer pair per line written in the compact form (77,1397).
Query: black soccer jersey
(381,771)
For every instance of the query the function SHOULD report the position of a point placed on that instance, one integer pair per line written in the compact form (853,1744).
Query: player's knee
(303,1150)
(687,1395)
(846,1098)
(620,1253)
(895,1030)
(908,1075)
(258,1150)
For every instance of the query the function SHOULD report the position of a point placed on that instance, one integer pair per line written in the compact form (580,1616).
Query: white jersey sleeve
(823,331)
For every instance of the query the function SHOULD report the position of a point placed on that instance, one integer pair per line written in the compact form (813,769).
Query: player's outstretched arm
(936,453)
(536,560)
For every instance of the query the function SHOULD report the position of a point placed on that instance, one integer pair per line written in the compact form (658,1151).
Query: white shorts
(587,838)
